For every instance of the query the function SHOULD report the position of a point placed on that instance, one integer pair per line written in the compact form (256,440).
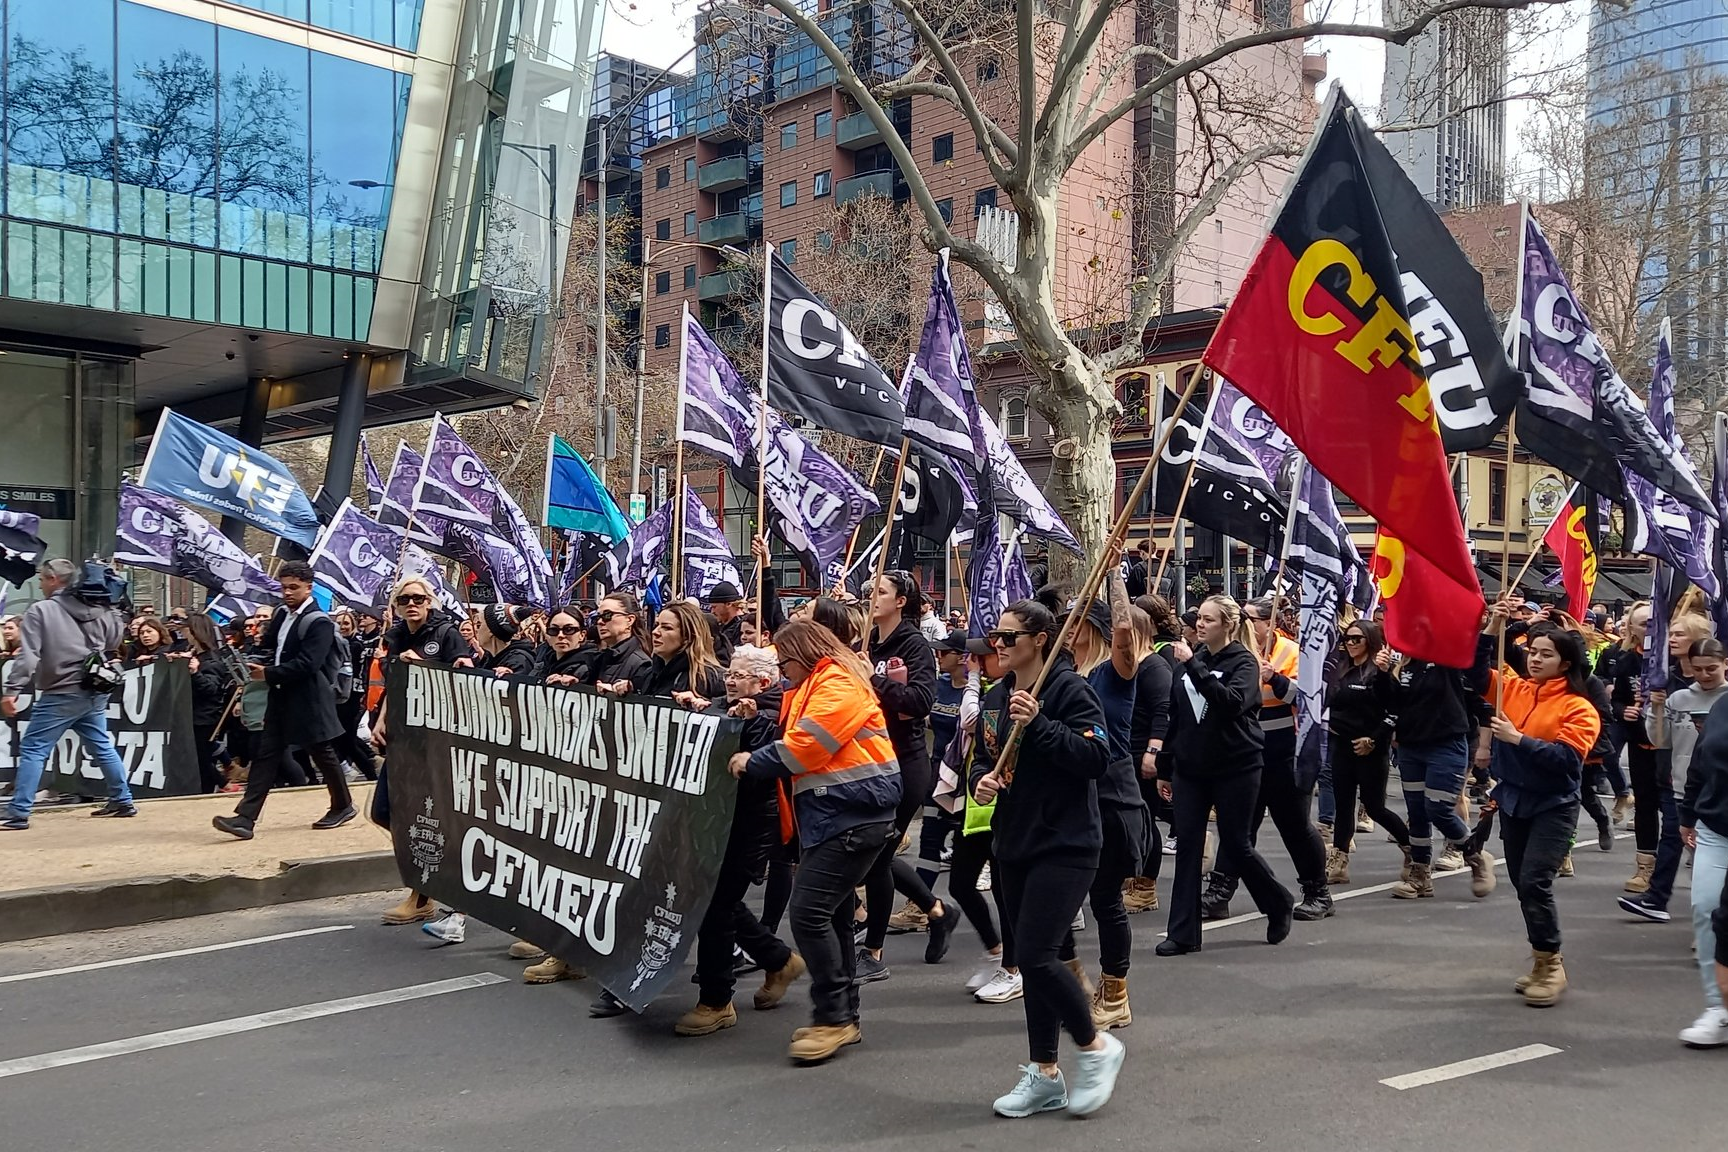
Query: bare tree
(1070,79)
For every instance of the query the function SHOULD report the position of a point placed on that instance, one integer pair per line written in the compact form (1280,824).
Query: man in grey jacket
(57,635)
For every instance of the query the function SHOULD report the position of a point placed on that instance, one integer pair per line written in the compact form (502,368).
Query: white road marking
(43,975)
(153,1040)
(1470,1067)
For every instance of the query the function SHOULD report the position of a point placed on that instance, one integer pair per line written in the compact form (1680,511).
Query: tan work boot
(1566,865)
(1337,867)
(1140,894)
(818,1042)
(1482,878)
(1404,872)
(1079,971)
(522,950)
(1529,977)
(1451,859)
(1622,809)
(775,984)
(1110,1005)
(705,1021)
(1640,881)
(414,909)
(550,971)
(1364,822)
(1419,884)
(910,918)
(1548,981)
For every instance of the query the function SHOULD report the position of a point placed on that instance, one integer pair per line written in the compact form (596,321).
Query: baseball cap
(955,641)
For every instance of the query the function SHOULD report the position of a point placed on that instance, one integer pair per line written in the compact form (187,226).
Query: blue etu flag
(214,471)
(576,501)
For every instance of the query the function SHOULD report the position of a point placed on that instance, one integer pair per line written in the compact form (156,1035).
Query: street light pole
(641,366)
(604,162)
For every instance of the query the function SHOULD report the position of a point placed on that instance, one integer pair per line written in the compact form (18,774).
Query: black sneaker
(116,808)
(1605,834)
(1643,908)
(335,819)
(941,935)
(1278,923)
(607,1006)
(742,964)
(235,826)
(869,969)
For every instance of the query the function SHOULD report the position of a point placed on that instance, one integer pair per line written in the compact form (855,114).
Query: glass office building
(282,217)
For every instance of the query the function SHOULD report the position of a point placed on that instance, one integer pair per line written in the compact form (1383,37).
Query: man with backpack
(68,642)
(309,677)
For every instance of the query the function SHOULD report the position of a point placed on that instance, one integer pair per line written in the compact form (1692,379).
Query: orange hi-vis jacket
(1278,695)
(835,750)
(1543,770)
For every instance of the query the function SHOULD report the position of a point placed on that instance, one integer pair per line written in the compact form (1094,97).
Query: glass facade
(162,165)
(393,22)
(1651,36)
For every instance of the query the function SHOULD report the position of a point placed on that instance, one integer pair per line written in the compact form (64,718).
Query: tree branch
(1025,29)
(1076,50)
(984,129)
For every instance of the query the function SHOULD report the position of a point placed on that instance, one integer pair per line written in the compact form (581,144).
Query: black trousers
(204,741)
(1234,797)
(889,872)
(270,756)
(729,921)
(823,902)
(1535,846)
(1125,831)
(1155,805)
(1040,899)
(971,853)
(349,746)
(1368,774)
(1644,768)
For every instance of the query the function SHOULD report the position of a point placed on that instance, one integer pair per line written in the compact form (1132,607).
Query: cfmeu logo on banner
(208,469)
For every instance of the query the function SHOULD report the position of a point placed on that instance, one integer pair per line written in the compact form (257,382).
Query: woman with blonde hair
(846,786)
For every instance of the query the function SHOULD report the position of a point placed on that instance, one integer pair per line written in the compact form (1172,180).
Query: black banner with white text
(591,826)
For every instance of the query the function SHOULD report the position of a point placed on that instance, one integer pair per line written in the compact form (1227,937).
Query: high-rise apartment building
(281,217)
(1442,97)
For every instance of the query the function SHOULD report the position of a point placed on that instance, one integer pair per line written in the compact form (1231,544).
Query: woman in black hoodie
(905,683)
(569,654)
(502,651)
(1212,759)
(214,687)
(1360,697)
(1047,840)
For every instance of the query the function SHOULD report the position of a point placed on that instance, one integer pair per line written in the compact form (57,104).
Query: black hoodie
(906,706)
(439,639)
(1227,740)
(1049,813)
(1432,704)
(517,657)
(1359,701)
(666,677)
(623,661)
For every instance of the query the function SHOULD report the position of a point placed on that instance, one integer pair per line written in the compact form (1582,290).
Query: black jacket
(1705,800)
(756,818)
(1049,813)
(439,639)
(574,663)
(1227,740)
(1360,699)
(1433,703)
(665,677)
(625,661)
(1620,669)
(1152,682)
(301,702)
(517,656)
(906,706)
(212,690)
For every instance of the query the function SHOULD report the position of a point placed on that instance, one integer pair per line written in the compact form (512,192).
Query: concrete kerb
(35,912)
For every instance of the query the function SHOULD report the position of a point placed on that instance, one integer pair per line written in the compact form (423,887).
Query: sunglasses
(605,616)
(563,630)
(411,600)
(1007,638)
(1355,639)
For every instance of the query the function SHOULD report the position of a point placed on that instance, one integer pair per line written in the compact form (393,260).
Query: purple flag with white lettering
(355,557)
(483,527)
(161,534)
(1656,523)
(716,413)
(396,507)
(707,556)
(997,577)
(1261,451)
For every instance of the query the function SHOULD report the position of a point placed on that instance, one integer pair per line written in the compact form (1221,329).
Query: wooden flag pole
(1284,553)
(1004,770)
(965,596)
(852,544)
(893,504)
(762,425)
(1505,563)
(1187,481)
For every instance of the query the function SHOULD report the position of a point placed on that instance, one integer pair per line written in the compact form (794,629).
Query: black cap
(978,646)
(955,641)
(725,592)
(1097,615)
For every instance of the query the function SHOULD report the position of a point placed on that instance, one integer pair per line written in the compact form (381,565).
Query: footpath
(72,873)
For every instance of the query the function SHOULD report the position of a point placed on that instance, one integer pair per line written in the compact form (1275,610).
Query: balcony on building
(724,175)
(723,285)
(865,184)
(732,228)
(857,132)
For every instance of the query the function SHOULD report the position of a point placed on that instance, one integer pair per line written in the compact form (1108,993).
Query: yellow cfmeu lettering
(1575,529)
(1384,336)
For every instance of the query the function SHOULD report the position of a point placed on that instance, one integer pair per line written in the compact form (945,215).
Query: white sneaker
(1170,846)
(1708,1031)
(1003,987)
(453,929)
(1079,924)
(1034,1093)
(1095,1076)
(984,878)
(985,974)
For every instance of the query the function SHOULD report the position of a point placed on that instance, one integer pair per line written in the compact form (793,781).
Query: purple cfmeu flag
(161,534)
(940,392)
(998,576)
(707,557)
(1579,415)
(454,485)
(1262,450)
(1719,493)
(716,412)
(355,558)
(396,507)
(374,482)
(1658,524)
(637,557)
(416,561)
(484,527)
(1013,493)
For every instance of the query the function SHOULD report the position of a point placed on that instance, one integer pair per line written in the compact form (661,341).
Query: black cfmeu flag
(1472,384)
(1225,494)
(819,371)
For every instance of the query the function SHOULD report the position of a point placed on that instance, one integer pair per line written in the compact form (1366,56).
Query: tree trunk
(1082,469)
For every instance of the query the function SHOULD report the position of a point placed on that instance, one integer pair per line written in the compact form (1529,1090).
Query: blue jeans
(1328,805)
(1433,775)
(1668,851)
(1709,885)
(52,715)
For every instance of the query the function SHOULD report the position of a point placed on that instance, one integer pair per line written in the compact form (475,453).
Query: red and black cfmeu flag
(1319,336)
(1571,536)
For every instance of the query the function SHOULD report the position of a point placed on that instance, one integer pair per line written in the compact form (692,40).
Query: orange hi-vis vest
(1276,713)
(833,735)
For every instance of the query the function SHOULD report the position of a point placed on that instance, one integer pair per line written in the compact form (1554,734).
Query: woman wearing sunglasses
(1212,758)
(569,652)
(1360,694)
(621,629)
(905,683)
(1047,840)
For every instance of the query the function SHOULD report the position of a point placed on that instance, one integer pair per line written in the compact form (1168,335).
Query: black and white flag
(819,371)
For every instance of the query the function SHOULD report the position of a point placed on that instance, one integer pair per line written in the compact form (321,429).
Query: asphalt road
(1242,1045)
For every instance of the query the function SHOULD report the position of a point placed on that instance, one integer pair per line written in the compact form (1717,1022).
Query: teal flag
(576,501)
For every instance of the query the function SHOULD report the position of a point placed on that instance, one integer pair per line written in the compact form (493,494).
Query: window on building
(824,241)
(663,336)
(988,69)
(789,250)
(689,223)
(1496,493)
(788,193)
(985,198)
(945,209)
(689,169)
(663,229)
(824,124)
(663,177)
(662,283)
(689,275)
(1132,389)
(1014,422)
(942,148)
(822,185)
(789,136)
